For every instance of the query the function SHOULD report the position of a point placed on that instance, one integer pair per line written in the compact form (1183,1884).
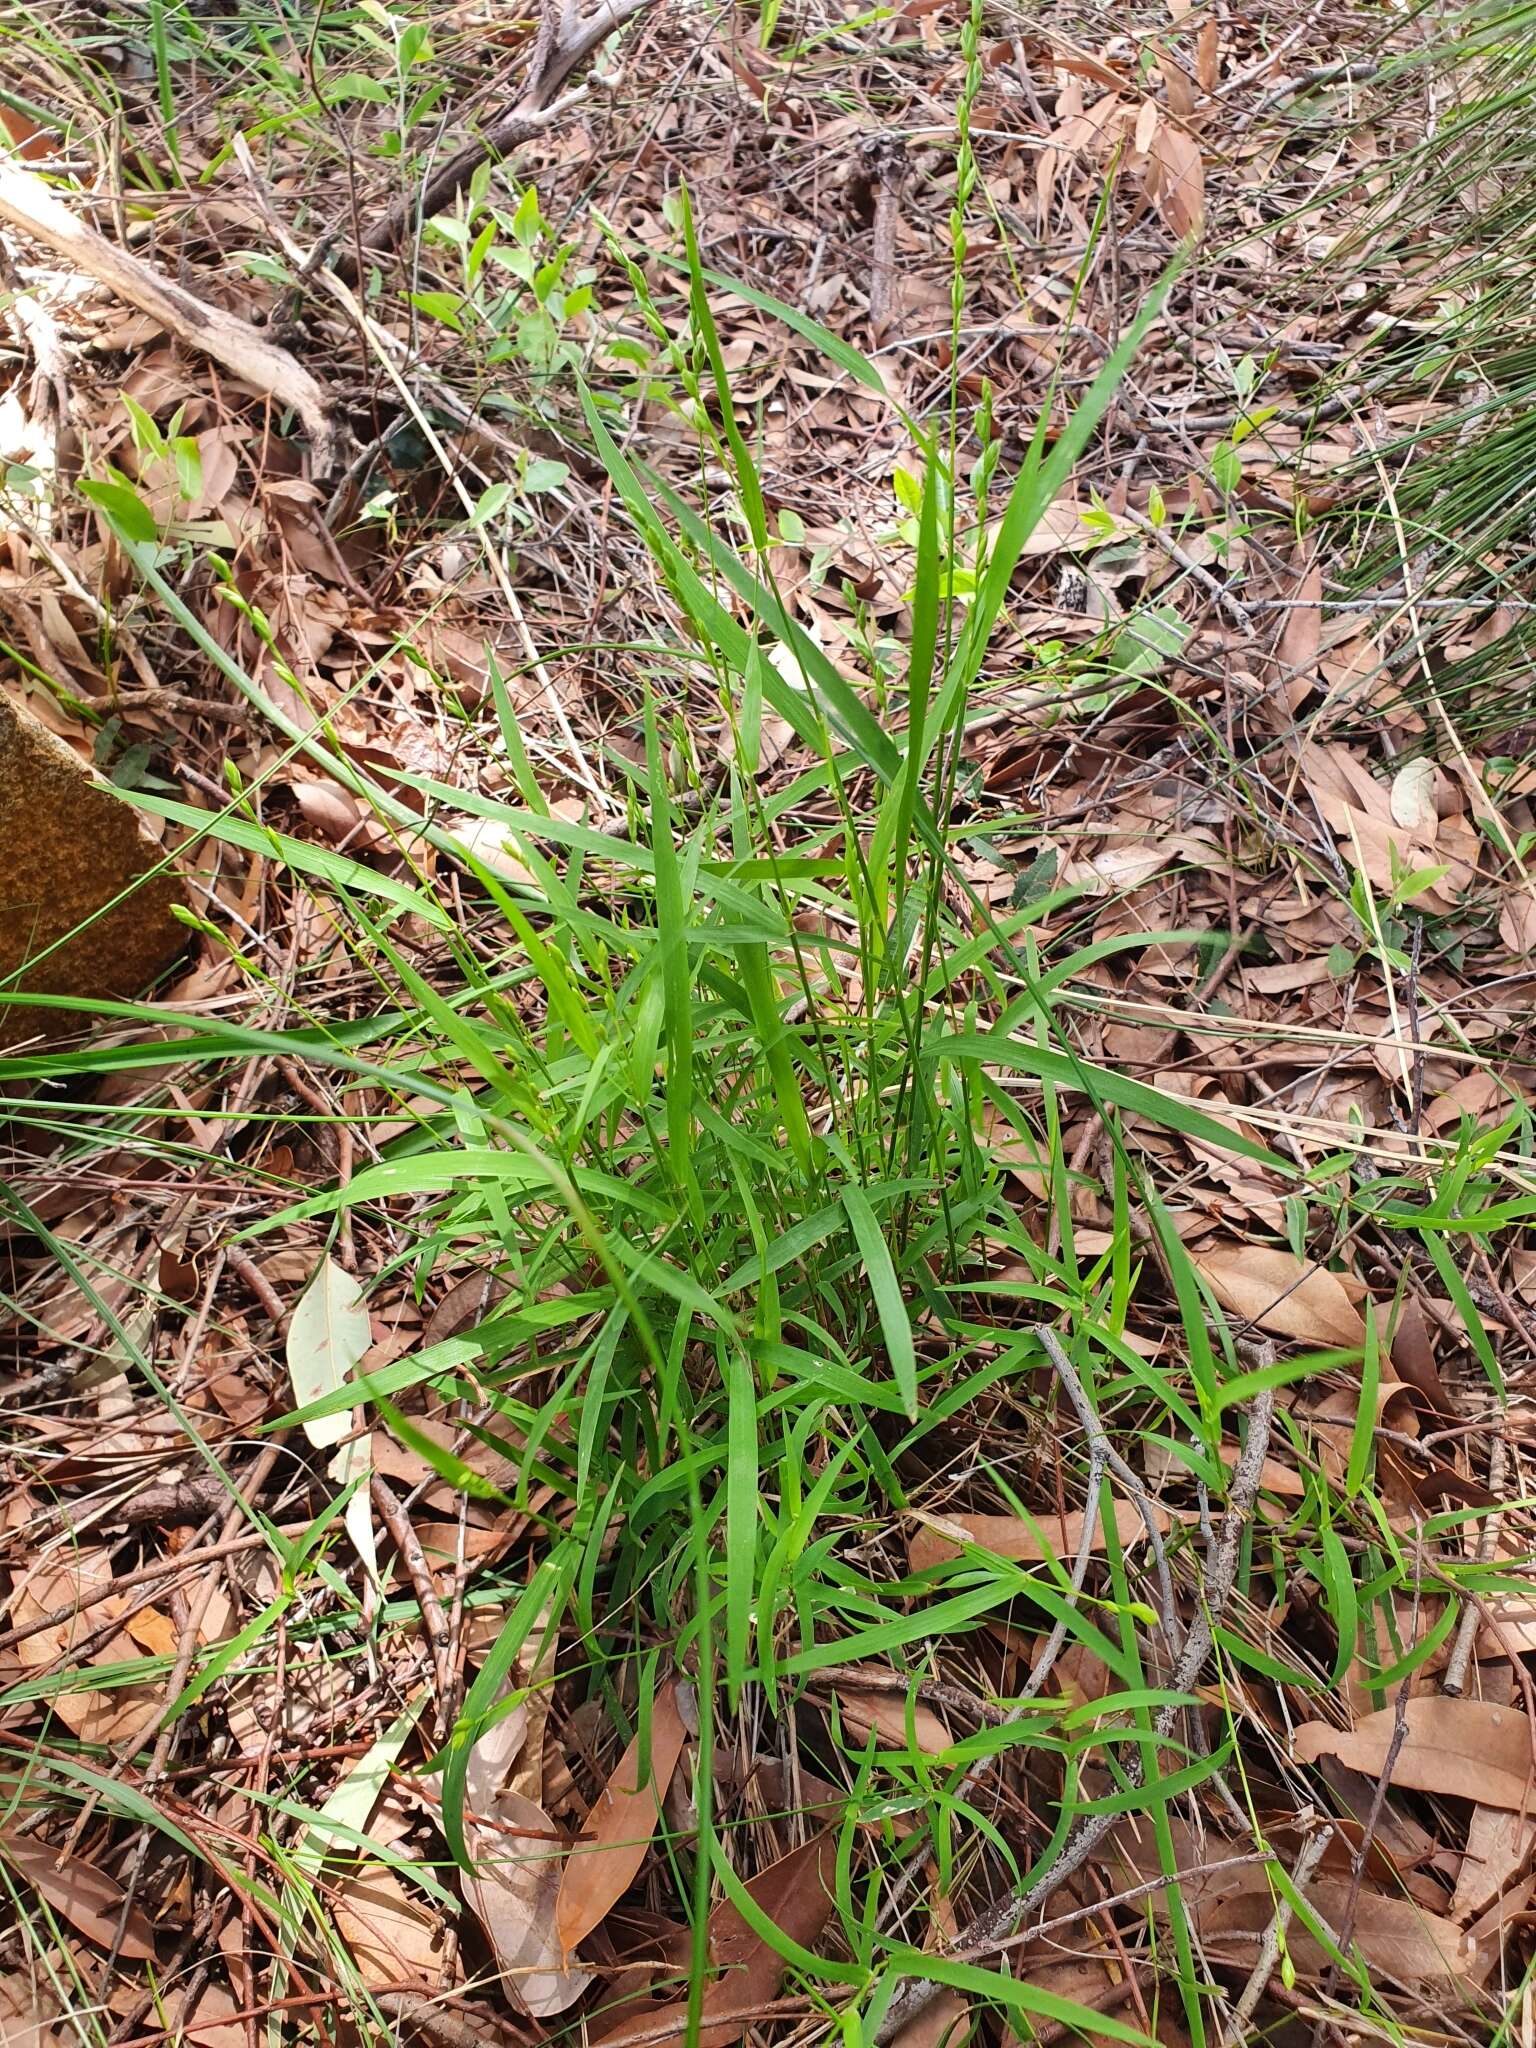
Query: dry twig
(1220,1579)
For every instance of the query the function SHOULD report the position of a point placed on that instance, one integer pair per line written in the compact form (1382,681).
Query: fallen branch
(32,206)
(1102,1458)
(565,41)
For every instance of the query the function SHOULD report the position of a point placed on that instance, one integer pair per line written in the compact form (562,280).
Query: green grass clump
(730,1083)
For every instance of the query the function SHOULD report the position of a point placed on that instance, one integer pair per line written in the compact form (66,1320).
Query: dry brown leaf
(1178,85)
(1413,1357)
(1397,1937)
(212,2022)
(1492,1929)
(1083,129)
(1398,1838)
(1232,1906)
(1011,1536)
(469,1301)
(516,1881)
(1478,1095)
(1274,1477)
(796,1895)
(1180,179)
(1517,921)
(1499,1848)
(1066,56)
(24,2023)
(1208,55)
(493,1755)
(1360,811)
(1341,782)
(86,1897)
(331,810)
(886,1713)
(619,1828)
(1067,527)
(799,1792)
(1334,1416)
(944,2023)
(538,1680)
(1086,1981)
(1412,796)
(1301,641)
(1384,849)
(393,1934)
(1459,1749)
(105,1718)
(152,1631)
(1114,869)
(1270,1286)
(490,844)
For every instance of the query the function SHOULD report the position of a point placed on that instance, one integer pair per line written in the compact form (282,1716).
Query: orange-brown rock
(83,911)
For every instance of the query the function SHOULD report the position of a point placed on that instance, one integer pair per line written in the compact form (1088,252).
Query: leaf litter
(1207,780)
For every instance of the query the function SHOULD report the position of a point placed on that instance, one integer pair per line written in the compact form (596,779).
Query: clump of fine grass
(1438,520)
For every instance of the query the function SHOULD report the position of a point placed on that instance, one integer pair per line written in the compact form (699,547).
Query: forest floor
(810,1311)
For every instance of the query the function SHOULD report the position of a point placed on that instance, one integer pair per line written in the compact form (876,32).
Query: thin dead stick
(377,338)
(932,1691)
(1091,1912)
(885,162)
(242,1263)
(1508,1647)
(192,1618)
(1102,1457)
(1345,1932)
(395,1519)
(671,2023)
(390,359)
(30,205)
(1044,1664)
(1224,599)
(566,39)
(1220,1579)
(1347,73)
(414,2014)
(195,1612)
(1087,1139)
(1103,1452)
